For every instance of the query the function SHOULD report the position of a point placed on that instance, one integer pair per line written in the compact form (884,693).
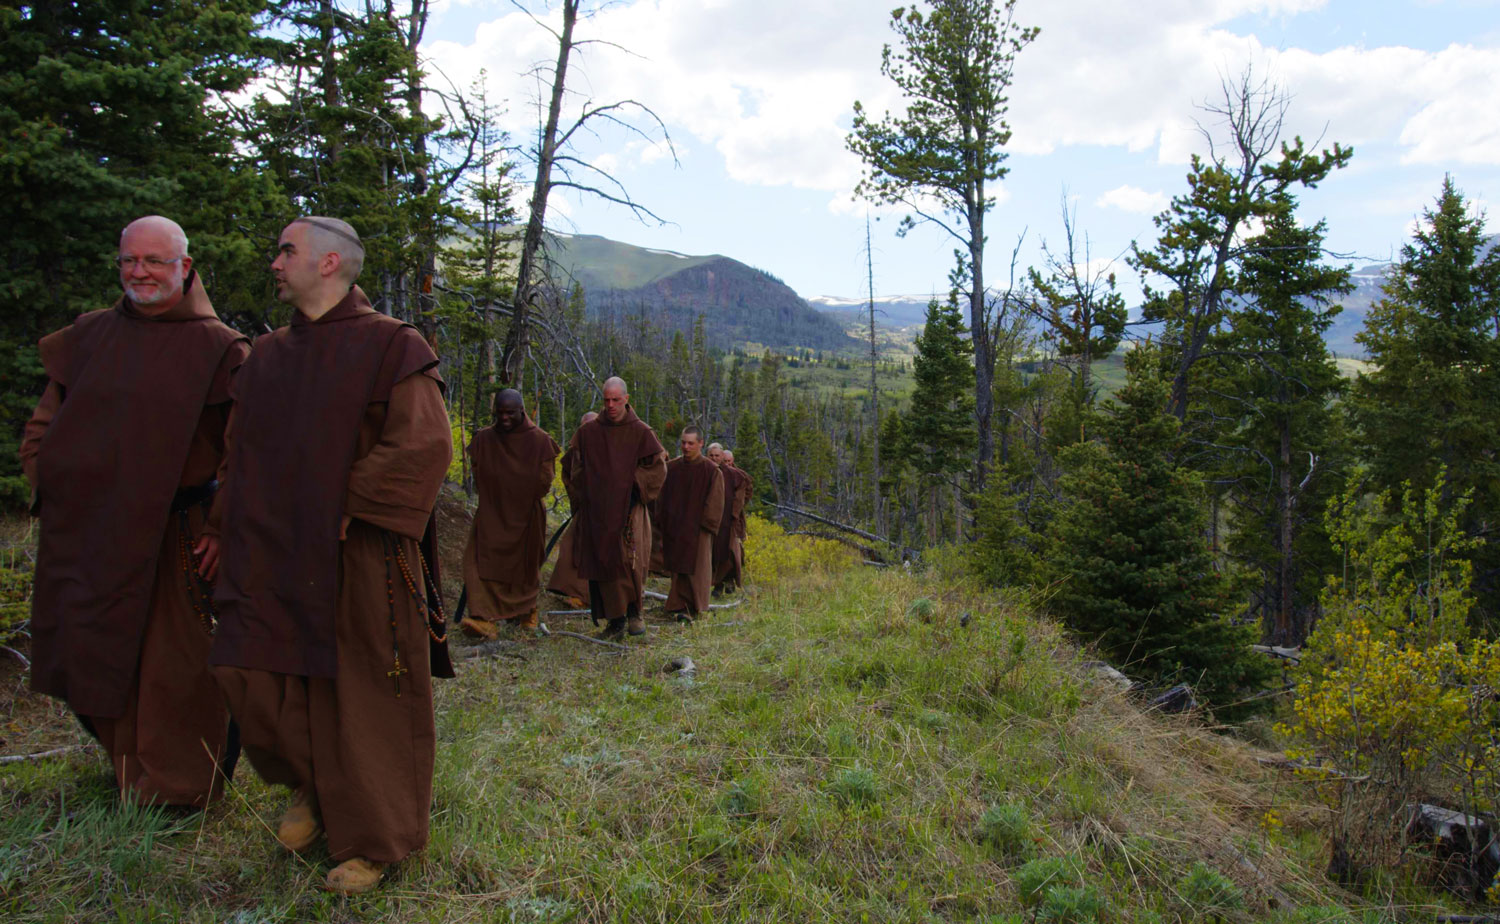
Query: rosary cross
(395,674)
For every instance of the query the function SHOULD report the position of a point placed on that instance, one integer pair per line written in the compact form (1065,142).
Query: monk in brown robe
(565,580)
(691,505)
(328,634)
(121,454)
(726,554)
(658,556)
(617,468)
(513,464)
(741,526)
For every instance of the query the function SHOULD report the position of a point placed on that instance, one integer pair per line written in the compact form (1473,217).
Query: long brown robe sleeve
(36,428)
(395,485)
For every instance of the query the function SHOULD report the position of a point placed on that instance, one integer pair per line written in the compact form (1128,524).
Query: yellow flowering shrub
(771,556)
(1395,701)
(461,437)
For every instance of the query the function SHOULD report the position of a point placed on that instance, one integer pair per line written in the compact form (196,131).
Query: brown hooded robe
(616,469)
(742,525)
(131,423)
(690,507)
(503,557)
(323,651)
(726,550)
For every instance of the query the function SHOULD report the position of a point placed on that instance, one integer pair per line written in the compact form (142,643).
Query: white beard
(162,293)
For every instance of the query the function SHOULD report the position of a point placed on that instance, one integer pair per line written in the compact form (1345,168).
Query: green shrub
(1209,892)
(1007,828)
(855,786)
(1035,877)
(1070,905)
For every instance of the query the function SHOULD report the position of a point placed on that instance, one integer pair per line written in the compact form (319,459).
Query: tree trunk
(874,388)
(984,359)
(516,338)
(1284,539)
(426,301)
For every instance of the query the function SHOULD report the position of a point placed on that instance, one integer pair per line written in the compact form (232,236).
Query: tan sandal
(354,876)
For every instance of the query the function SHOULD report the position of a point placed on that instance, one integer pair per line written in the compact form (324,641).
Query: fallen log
(867,551)
(581,637)
(834,523)
(1281,763)
(1293,655)
(40,755)
(25,661)
(493,648)
(906,553)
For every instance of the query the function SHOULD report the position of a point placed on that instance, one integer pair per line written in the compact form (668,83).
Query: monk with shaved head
(565,580)
(514,460)
(122,453)
(746,490)
(726,551)
(330,629)
(617,467)
(690,508)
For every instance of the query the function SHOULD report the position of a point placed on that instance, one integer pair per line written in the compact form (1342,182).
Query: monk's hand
(344,527)
(207,553)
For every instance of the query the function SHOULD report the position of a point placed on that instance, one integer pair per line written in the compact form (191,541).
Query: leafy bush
(15,493)
(1393,697)
(15,594)
(771,556)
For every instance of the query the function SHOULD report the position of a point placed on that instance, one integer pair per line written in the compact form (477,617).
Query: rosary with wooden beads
(394,551)
(200,594)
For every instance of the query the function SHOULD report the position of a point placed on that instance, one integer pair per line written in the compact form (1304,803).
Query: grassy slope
(602,263)
(832,760)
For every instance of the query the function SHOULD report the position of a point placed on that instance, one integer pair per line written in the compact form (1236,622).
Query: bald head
(728,457)
(715,453)
(332,235)
(317,260)
(586,418)
(154,263)
(510,411)
(616,399)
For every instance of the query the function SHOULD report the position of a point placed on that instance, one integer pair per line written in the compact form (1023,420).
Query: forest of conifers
(1229,492)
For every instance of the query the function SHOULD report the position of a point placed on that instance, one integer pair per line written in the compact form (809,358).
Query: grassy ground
(850,748)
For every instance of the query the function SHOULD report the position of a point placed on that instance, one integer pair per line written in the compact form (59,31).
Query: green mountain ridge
(739,303)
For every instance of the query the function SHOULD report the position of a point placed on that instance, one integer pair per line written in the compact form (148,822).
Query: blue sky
(758,96)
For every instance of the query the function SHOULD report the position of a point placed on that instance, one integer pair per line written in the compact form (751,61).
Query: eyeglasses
(152,264)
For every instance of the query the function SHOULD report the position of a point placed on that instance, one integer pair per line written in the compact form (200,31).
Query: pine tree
(1429,401)
(1199,250)
(1136,576)
(1283,459)
(940,431)
(941,157)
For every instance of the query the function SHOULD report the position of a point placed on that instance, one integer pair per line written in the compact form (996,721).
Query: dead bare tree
(1204,233)
(552,153)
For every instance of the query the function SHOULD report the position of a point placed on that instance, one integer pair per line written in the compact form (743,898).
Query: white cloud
(1133,199)
(769,84)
